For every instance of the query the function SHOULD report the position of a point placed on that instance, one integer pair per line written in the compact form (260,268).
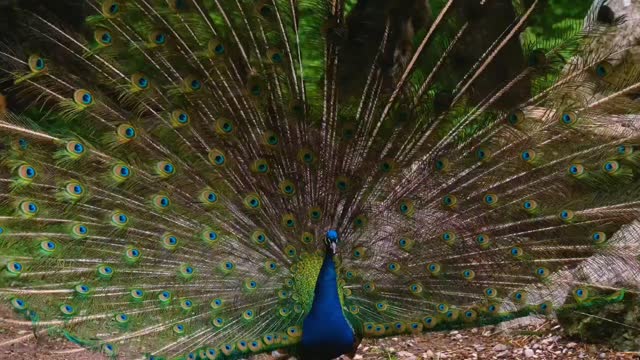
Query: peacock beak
(334,247)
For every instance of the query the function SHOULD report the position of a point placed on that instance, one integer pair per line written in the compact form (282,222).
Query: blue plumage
(326,334)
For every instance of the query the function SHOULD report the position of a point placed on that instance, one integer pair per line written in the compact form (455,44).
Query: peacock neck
(326,291)
(326,334)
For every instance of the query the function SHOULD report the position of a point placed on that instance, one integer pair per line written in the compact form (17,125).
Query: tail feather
(168,187)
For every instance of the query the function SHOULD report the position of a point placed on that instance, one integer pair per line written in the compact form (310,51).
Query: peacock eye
(528,155)
(103,37)
(277,58)
(66,309)
(216,48)
(491,199)
(160,39)
(265,11)
(14,267)
(483,154)
(48,246)
(611,167)
(26,172)
(449,201)
(516,251)
(37,64)
(568,118)
(576,170)
(603,69)
(441,164)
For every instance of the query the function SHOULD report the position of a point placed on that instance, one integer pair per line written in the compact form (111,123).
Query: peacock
(212,179)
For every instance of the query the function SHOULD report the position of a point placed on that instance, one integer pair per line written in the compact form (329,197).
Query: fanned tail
(167,191)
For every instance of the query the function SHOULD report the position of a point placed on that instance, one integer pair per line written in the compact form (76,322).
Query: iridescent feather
(169,180)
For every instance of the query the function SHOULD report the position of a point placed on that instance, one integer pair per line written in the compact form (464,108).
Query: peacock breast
(326,333)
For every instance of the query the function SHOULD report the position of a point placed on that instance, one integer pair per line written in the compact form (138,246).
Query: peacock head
(331,241)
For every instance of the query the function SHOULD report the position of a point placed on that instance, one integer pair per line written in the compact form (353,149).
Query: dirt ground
(532,338)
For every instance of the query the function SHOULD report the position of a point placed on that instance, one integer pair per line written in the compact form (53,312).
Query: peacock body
(209,179)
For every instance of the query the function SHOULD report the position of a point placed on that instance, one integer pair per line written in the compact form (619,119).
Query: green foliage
(559,18)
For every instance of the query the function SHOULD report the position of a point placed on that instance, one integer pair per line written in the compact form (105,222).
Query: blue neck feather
(326,334)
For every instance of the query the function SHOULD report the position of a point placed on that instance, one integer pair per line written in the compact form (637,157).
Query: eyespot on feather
(75,149)
(288,222)
(287,188)
(406,207)
(568,118)
(516,118)
(224,126)
(270,139)
(252,201)
(179,118)
(157,38)
(216,48)
(37,63)
(483,240)
(111,8)
(192,83)
(598,237)
(169,241)
(103,37)
(27,172)
(125,133)
(603,69)
(450,201)
(406,244)
(28,208)
(483,154)
(140,81)
(79,231)
(83,98)
(217,158)
(307,156)
(275,56)
(449,237)
(576,170)
(468,274)
(315,214)
(442,165)
(119,219)
(165,169)
(74,190)
(121,172)
(179,5)
(611,167)
(265,10)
